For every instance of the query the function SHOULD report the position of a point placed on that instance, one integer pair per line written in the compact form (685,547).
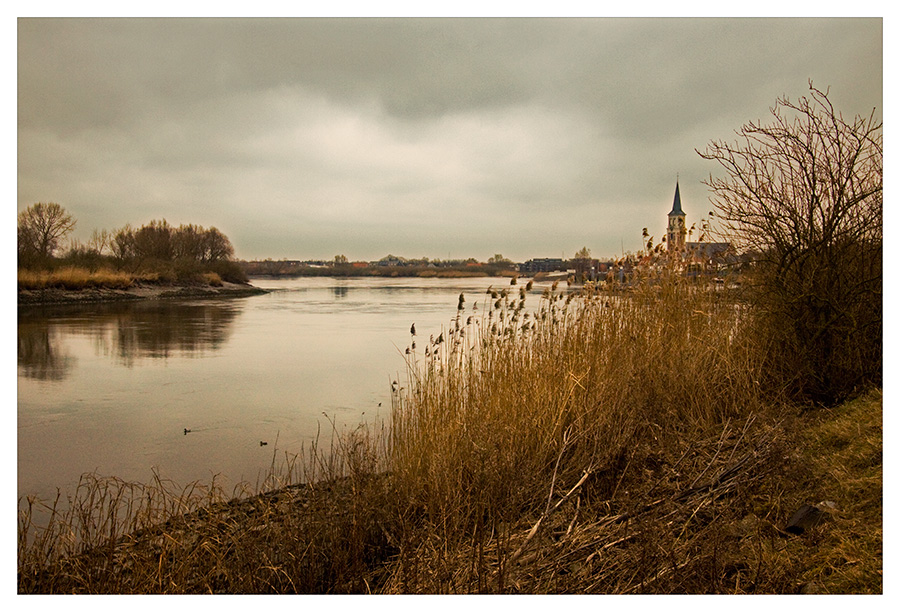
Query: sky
(307,138)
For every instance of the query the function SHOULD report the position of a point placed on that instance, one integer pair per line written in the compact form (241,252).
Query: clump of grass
(150,277)
(74,278)
(212,279)
(30,279)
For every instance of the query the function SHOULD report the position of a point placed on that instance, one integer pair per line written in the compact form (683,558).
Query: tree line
(178,253)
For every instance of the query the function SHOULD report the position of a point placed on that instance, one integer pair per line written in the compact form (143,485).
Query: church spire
(676,231)
(676,206)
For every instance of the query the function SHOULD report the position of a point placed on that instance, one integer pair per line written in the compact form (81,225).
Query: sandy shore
(138,292)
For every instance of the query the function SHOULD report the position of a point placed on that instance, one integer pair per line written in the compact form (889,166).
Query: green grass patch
(844,447)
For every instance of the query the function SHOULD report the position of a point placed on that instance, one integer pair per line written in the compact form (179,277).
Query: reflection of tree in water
(125,331)
(41,353)
(163,329)
(340,291)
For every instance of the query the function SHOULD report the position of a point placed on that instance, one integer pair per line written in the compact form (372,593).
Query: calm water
(110,388)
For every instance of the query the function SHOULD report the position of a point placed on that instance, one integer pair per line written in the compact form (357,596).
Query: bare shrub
(803,196)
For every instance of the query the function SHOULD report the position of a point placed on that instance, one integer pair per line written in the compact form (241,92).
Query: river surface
(110,388)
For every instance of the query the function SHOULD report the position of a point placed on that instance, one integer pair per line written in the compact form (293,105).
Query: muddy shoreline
(54,296)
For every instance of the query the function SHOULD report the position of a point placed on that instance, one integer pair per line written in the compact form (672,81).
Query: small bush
(163,271)
(228,271)
(188,270)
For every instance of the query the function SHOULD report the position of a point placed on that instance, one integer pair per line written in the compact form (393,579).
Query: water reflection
(110,388)
(158,332)
(125,332)
(42,355)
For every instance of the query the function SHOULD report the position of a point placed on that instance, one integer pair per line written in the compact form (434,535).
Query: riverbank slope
(721,518)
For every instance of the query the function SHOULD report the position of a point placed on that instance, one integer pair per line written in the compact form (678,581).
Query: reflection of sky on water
(112,387)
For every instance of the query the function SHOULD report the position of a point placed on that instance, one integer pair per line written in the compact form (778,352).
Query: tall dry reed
(509,409)
(507,419)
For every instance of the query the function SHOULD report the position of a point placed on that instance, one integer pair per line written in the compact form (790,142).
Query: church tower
(676,231)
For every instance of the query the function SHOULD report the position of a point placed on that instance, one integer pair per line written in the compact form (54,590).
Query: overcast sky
(309,138)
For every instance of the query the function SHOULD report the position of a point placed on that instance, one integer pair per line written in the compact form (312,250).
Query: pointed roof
(676,206)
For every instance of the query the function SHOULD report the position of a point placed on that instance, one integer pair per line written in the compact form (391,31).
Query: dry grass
(112,536)
(591,444)
(74,278)
(513,410)
(212,279)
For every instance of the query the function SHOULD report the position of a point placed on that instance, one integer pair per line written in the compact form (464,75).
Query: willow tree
(801,196)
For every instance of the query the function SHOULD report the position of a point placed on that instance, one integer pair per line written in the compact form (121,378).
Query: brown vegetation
(75,279)
(154,253)
(41,229)
(654,441)
(592,445)
(804,196)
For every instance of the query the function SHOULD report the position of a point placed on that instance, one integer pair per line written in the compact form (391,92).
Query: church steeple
(676,230)
(676,205)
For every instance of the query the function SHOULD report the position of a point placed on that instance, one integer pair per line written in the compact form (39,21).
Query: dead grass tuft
(74,278)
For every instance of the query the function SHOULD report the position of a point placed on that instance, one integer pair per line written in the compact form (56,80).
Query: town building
(701,257)
(546,264)
(676,229)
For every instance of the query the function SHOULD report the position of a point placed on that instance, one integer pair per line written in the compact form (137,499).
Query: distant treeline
(432,270)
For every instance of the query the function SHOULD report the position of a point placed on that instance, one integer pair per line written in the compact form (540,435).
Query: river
(111,388)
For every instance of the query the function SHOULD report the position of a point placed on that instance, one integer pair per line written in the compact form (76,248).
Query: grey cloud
(521,132)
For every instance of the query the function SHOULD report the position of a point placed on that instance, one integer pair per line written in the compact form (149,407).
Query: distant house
(390,261)
(587,269)
(547,264)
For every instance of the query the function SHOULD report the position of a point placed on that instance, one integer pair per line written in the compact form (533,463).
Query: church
(699,257)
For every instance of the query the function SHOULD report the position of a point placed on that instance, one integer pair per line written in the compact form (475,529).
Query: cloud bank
(308,138)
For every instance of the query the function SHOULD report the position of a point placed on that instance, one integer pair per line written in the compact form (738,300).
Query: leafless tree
(803,195)
(41,230)
(122,243)
(100,241)
(218,247)
(154,241)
